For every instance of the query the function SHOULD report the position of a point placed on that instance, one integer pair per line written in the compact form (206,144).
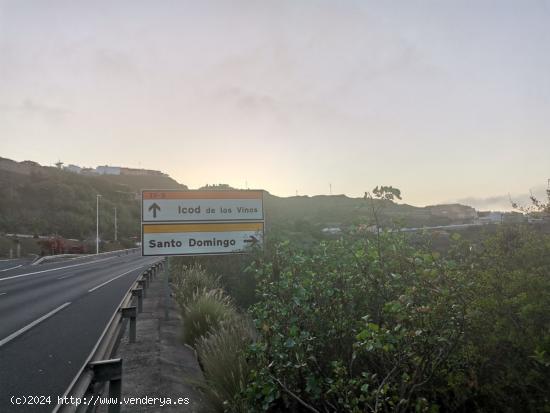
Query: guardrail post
(111,371)
(138,292)
(143,286)
(131,313)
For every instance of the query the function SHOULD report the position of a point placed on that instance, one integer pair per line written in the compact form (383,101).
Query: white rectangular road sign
(197,206)
(199,239)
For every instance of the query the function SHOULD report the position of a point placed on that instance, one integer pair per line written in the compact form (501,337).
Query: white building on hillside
(73,168)
(108,170)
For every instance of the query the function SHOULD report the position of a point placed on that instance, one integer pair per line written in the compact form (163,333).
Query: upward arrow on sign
(154,208)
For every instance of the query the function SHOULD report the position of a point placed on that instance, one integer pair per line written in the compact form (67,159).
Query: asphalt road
(7,265)
(51,316)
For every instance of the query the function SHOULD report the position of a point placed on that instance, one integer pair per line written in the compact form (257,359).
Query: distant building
(88,171)
(216,187)
(108,170)
(73,168)
(140,172)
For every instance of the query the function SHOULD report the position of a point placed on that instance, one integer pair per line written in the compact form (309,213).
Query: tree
(537,206)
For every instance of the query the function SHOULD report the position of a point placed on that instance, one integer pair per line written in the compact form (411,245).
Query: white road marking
(3,293)
(112,279)
(31,325)
(55,269)
(12,268)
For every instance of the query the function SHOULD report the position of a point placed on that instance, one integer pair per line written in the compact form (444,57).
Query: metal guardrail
(39,260)
(100,368)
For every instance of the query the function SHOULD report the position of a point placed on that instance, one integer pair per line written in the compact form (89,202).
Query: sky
(446,100)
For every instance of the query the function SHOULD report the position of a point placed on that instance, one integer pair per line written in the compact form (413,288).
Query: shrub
(204,313)
(379,325)
(221,353)
(190,281)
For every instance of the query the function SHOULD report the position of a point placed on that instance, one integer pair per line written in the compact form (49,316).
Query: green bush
(222,356)
(189,281)
(204,314)
(379,325)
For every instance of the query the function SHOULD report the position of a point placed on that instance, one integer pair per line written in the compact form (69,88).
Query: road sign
(199,222)
(199,238)
(201,206)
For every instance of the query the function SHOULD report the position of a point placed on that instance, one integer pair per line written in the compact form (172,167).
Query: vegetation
(380,322)
(222,358)
(49,201)
(351,327)
(218,332)
(204,314)
(237,283)
(54,201)
(190,282)
(374,321)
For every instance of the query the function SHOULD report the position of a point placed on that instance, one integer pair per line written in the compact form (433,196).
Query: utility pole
(330,188)
(116,228)
(97,224)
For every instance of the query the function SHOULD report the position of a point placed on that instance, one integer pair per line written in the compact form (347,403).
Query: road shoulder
(158,364)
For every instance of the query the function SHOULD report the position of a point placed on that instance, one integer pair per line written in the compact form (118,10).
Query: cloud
(503,202)
(31,108)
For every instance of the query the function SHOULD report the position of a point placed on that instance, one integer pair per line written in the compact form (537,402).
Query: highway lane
(6,265)
(51,316)
(35,289)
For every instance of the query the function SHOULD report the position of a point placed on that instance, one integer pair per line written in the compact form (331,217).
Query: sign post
(191,223)
(166,287)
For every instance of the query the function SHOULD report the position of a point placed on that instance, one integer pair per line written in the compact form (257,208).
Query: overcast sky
(447,100)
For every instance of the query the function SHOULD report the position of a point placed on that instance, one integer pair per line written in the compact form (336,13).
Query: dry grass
(190,281)
(204,313)
(221,353)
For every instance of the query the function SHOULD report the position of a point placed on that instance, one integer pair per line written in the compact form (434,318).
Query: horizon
(449,104)
(522,200)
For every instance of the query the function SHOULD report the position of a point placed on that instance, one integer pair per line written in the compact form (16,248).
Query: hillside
(44,200)
(342,210)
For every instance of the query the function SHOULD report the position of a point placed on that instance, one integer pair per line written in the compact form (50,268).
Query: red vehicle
(59,245)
